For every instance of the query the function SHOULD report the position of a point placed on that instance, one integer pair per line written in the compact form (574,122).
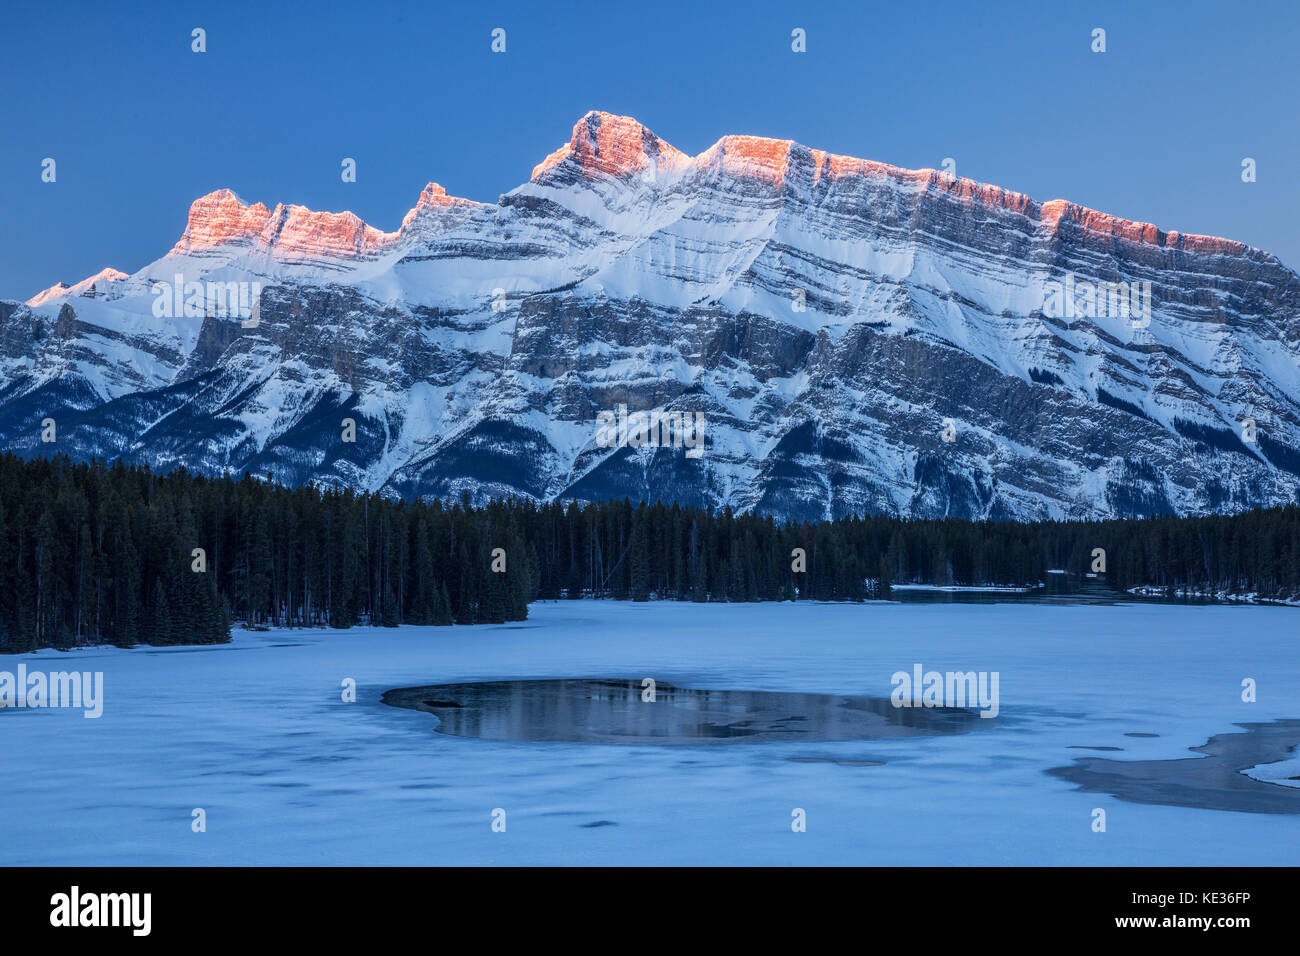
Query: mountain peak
(611,145)
(89,286)
(302,233)
(221,218)
(433,198)
(218,218)
(46,295)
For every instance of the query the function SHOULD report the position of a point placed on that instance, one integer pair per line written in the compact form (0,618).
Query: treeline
(91,553)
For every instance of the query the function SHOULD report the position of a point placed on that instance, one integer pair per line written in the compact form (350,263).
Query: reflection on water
(1056,589)
(613,712)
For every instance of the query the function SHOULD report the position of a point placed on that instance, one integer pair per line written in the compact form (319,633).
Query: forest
(95,553)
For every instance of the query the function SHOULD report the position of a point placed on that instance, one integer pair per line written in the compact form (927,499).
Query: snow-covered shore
(1248,597)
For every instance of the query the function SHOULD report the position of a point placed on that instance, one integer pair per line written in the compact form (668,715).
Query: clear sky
(1154,129)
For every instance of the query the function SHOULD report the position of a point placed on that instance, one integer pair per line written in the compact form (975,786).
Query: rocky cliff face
(859,338)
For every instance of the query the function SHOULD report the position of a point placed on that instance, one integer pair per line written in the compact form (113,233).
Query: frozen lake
(256,733)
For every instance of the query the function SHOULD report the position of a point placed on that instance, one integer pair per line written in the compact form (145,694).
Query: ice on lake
(257,735)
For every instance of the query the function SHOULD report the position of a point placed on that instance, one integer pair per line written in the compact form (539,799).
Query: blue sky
(1154,129)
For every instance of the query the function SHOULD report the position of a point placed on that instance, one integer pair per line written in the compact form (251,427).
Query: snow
(1283,772)
(1221,594)
(256,734)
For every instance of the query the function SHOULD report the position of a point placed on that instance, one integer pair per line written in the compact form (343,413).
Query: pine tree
(442,616)
(884,590)
(160,618)
(388,608)
(640,561)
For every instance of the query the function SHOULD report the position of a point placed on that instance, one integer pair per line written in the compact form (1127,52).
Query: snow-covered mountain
(860,339)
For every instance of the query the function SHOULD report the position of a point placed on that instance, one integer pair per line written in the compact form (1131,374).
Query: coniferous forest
(96,553)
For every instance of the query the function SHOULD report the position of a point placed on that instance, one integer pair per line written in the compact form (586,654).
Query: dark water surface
(1211,782)
(613,712)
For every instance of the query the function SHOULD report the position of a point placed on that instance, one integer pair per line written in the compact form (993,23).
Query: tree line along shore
(97,553)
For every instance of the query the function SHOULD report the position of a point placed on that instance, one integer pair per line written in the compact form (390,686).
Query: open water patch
(612,711)
(1215,781)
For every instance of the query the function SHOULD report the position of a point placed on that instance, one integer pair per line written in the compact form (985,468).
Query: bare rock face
(859,339)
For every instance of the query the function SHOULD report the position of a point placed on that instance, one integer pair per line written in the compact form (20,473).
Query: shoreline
(1215,781)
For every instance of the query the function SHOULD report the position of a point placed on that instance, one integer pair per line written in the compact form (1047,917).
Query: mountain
(859,338)
(89,287)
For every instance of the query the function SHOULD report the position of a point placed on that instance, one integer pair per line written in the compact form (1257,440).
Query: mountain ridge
(826,314)
(585,149)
